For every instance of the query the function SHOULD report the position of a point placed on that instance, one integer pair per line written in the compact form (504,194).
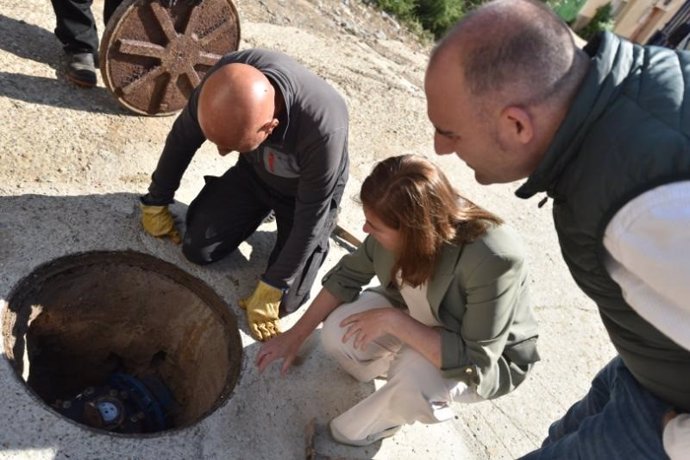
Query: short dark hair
(517,46)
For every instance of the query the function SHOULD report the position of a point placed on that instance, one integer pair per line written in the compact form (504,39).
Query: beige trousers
(415,390)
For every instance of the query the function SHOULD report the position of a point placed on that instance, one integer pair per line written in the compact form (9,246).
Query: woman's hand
(285,346)
(370,325)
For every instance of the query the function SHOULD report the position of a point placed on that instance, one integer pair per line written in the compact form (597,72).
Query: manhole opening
(122,342)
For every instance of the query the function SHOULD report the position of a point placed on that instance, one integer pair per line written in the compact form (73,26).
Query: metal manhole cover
(152,56)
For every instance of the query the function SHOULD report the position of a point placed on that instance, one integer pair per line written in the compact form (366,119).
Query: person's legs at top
(109,7)
(226,212)
(617,419)
(76,29)
(75,25)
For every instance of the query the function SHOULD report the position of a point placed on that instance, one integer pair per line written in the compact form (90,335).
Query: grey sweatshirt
(305,157)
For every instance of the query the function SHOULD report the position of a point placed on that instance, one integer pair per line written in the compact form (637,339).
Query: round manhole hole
(122,342)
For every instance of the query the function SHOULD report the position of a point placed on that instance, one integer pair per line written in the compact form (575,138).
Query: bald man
(605,132)
(290,128)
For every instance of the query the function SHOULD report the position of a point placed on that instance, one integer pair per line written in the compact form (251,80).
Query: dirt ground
(60,141)
(363,53)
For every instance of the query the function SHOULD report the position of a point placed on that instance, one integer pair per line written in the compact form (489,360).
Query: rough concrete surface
(72,164)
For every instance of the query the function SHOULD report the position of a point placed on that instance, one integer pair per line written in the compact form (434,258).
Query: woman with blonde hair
(451,320)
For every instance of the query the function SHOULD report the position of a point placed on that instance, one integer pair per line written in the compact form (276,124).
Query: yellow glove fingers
(276,328)
(256,332)
(258,329)
(263,328)
(264,331)
(262,308)
(159,222)
(175,236)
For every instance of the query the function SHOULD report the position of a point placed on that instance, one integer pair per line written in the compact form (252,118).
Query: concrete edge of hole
(16,321)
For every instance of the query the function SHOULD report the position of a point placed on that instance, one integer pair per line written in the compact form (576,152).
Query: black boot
(81,69)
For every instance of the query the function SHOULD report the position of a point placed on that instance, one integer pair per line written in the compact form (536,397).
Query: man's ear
(516,125)
(270,126)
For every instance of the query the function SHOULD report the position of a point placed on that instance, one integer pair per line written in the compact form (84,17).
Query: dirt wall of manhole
(122,331)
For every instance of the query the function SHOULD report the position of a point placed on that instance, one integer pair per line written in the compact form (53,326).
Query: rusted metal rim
(152,57)
(68,314)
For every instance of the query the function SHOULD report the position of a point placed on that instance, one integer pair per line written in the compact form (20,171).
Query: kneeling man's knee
(194,253)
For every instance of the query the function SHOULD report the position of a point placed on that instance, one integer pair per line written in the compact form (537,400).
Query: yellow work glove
(262,311)
(158,221)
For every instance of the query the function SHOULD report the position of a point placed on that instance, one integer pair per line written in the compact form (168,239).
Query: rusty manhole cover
(122,342)
(151,56)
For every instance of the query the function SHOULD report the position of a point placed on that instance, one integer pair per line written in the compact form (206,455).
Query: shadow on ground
(264,417)
(28,41)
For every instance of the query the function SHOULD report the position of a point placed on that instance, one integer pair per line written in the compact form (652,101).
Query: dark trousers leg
(230,208)
(301,285)
(109,8)
(617,420)
(76,26)
(226,212)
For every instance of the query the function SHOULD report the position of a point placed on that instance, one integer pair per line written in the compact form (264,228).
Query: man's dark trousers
(76,26)
(230,208)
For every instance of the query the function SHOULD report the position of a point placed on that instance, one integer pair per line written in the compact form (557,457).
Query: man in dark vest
(605,132)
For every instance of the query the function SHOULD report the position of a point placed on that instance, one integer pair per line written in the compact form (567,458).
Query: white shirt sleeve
(677,437)
(648,244)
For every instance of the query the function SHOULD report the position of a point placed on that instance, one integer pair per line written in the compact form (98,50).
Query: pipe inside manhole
(122,342)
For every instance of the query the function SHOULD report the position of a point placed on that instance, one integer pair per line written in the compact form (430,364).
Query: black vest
(627,131)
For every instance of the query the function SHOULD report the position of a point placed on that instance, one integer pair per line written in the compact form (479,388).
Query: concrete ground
(73,163)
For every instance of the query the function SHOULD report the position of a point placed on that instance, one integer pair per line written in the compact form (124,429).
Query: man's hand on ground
(159,222)
(262,311)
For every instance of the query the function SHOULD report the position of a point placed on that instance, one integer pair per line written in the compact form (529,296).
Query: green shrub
(602,20)
(403,9)
(437,16)
(567,9)
(434,16)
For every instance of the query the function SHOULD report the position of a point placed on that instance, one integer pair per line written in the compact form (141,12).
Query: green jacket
(627,131)
(478,292)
